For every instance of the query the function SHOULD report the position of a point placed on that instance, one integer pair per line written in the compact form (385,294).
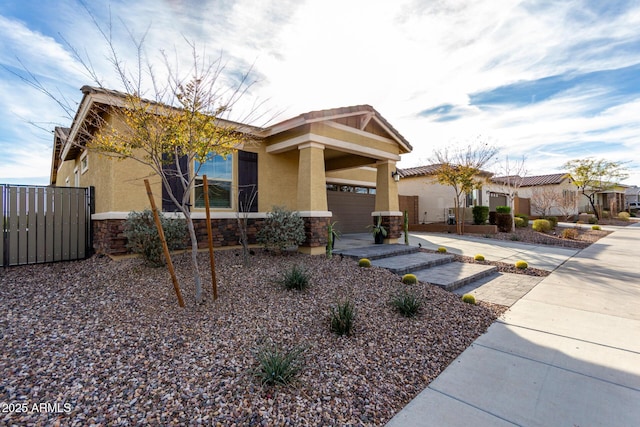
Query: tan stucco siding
(356,176)
(289,134)
(277,180)
(366,144)
(433,198)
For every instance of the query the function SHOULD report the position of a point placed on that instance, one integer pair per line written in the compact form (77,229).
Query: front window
(219,172)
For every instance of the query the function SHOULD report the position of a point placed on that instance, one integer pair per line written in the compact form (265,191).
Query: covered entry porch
(351,146)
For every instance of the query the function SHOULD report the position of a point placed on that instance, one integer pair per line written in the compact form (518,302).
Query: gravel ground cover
(103,342)
(585,237)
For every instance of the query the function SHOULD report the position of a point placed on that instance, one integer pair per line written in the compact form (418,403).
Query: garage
(351,210)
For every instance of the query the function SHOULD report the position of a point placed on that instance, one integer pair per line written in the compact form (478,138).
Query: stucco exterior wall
(363,176)
(433,198)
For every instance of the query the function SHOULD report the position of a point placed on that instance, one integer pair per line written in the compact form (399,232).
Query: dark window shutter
(247,181)
(171,171)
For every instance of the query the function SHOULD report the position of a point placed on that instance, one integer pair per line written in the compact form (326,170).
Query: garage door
(352,211)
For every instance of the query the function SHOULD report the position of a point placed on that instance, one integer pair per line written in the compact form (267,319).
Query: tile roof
(531,181)
(428,170)
(418,171)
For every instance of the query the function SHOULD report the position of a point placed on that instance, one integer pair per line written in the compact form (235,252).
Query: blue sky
(550,80)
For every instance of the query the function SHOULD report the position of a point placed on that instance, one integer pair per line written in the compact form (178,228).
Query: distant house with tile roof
(552,195)
(436,201)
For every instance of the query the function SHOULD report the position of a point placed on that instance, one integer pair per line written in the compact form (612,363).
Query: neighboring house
(298,163)
(552,195)
(436,201)
(611,199)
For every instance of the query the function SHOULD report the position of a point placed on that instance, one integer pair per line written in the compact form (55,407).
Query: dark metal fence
(44,224)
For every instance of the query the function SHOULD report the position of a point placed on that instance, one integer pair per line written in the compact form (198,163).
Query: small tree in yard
(511,181)
(592,176)
(173,128)
(459,169)
(543,199)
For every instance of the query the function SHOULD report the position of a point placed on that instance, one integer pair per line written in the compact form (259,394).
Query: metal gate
(44,224)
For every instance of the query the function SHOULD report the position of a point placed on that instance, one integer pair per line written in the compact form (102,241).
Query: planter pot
(378,238)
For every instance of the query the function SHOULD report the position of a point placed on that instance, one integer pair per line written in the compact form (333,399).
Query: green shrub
(523,216)
(282,229)
(521,265)
(295,278)
(541,225)
(596,227)
(364,263)
(570,233)
(520,222)
(143,238)
(342,318)
(480,214)
(553,220)
(503,221)
(442,250)
(406,303)
(503,209)
(277,367)
(409,279)
(593,220)
(514,238)
(469,299)
(624,216)
(479,257)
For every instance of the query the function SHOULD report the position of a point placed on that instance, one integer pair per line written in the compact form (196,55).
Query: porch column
(386,204)
(312,197)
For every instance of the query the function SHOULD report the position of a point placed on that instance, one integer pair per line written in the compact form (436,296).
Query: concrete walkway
(500,288)
(566,354)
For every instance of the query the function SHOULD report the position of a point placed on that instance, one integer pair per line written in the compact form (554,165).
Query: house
(540,195)
(611,199)
(436,201)
(328,165)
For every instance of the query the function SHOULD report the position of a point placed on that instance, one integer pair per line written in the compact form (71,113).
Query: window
(219,171)
(84,162)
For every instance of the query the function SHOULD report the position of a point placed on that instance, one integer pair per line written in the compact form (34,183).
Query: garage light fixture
(396,176)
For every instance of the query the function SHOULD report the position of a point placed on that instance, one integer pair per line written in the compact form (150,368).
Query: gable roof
(532,181)
(93,97)
(364,114)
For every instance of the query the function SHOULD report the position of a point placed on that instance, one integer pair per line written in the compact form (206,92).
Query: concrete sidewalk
(566,354)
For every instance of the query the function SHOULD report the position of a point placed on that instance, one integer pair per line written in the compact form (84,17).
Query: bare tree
(459,168)
(543,199)
(567,203)
(513,173)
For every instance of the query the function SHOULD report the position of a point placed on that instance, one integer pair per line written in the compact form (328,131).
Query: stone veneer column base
(393,225)
(315,229)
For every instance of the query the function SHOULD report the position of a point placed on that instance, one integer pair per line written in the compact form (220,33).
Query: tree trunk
(592,202)
(194,256)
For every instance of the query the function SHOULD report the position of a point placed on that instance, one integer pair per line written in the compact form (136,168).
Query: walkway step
(454,275)
(372,252)
(408,263)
